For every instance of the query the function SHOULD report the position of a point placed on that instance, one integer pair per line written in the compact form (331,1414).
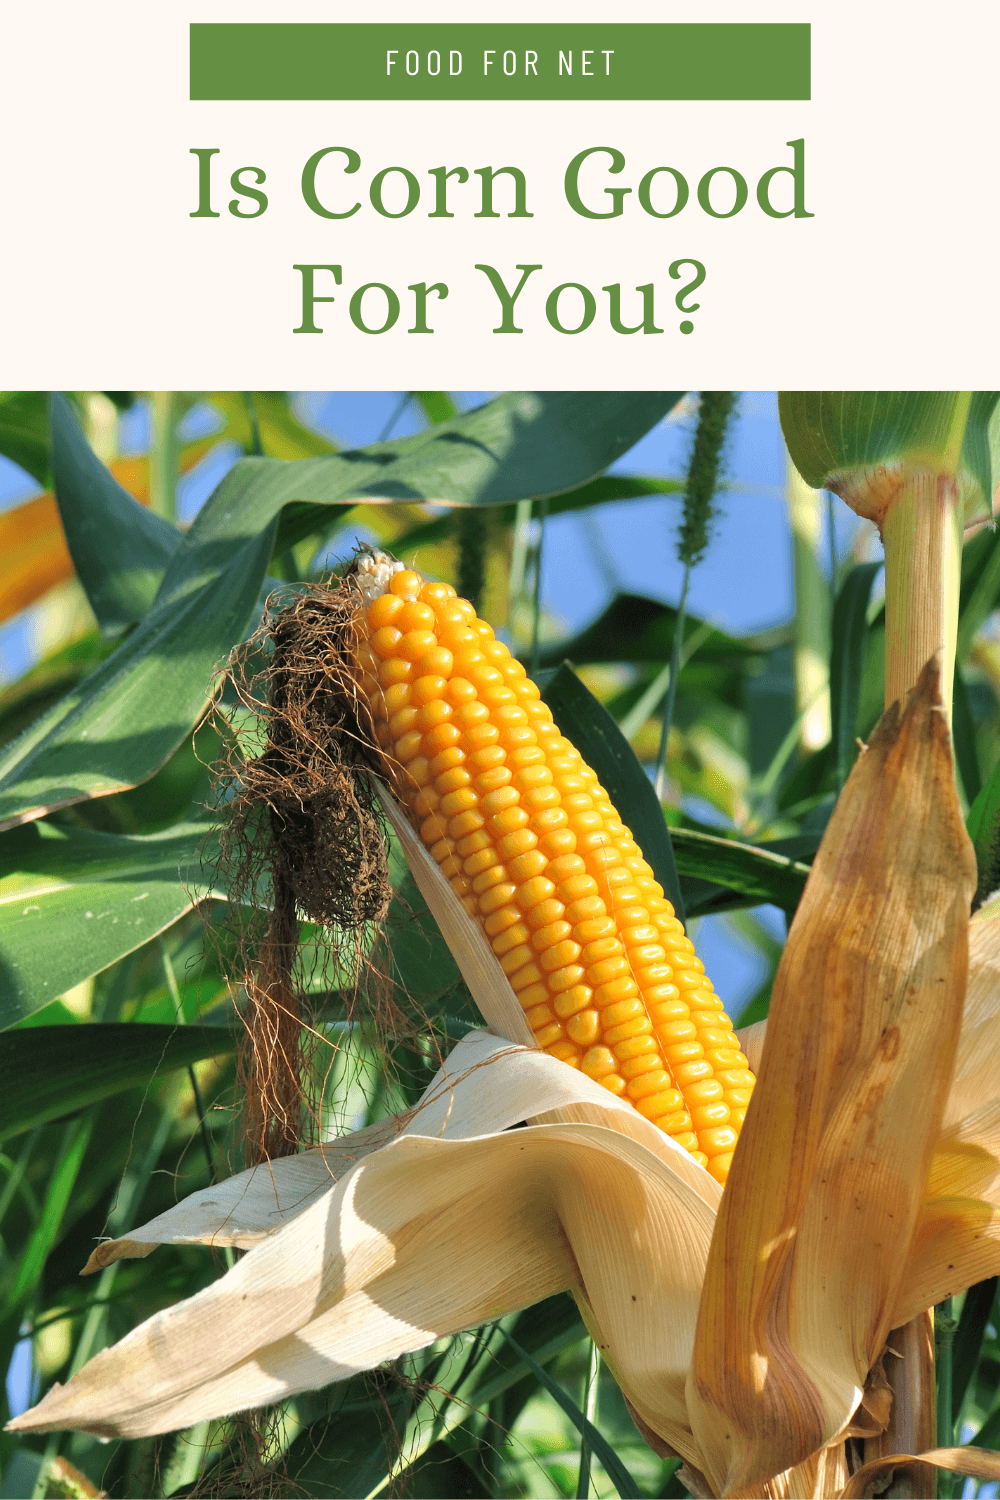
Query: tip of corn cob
(372,572)
(535,852)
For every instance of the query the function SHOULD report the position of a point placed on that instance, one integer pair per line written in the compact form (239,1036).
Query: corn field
(707,629)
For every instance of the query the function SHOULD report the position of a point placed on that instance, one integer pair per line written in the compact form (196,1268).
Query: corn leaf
(72,901)
(980,590)
(603,491)
(519,446)
(635,628)
(833,436)
(351,1452)
(24,434)
(45,683)
(437,406)
(964,734)
(587,723)
(757,872)
(419,961)
(616,1470)
(451,1384)
(124,720)
(447,1465)
(327,1459)
(45,1232)
(51,1071)
(983,826)
(850,631)
(281,435)
(977,1311)
(770,707)
(120,549)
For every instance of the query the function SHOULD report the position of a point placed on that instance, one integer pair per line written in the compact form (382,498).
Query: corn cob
(536,853)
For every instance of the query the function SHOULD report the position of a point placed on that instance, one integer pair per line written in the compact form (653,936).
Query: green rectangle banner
(483,60)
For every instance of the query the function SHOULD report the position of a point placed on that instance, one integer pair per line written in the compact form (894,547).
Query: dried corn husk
(429,1234)
(854,1077)
(442,1218)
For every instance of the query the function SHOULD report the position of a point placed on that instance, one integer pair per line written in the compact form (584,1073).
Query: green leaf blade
(50,1071)
(605,490)
(74,901)
(522,445)
(850,629)
(125,720)
(616,1470)
(24,432)
(636,628)
(119,548)
(757,873)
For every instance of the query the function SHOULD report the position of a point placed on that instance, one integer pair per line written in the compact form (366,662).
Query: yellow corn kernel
(537,854)
(584,1027)
(569,1002)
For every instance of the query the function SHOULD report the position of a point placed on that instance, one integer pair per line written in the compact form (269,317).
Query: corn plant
(244,1046)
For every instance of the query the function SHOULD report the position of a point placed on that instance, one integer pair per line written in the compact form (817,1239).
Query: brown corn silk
(816,1224)
(303,839)
(536,853)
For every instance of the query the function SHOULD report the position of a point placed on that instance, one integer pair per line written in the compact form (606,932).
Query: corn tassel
(536,853)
